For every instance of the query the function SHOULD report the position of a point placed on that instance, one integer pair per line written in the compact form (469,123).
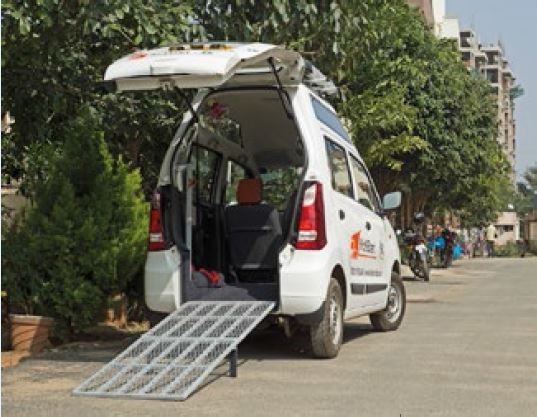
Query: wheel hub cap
(335,320)
(393,309)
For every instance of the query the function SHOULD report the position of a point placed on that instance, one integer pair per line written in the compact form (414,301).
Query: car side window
(337,159)
(234,173)
(205,165)
(364,188)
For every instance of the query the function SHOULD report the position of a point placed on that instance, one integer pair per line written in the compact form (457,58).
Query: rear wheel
(327,335)
(391,317)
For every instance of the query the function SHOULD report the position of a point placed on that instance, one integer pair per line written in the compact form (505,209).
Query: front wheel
(327,335)
(391,317)
(426,272)
(425,267)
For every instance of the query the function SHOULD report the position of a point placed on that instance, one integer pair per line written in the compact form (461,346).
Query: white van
(263,185)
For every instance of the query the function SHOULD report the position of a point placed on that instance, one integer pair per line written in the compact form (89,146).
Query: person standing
(491,236)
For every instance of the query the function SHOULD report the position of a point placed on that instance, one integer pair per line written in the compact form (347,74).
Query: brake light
(311,227)
(155,241)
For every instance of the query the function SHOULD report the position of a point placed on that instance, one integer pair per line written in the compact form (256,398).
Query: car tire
(391,317)
(327,335)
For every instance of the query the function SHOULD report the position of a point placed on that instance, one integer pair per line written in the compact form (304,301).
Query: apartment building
(434,14)
(488,62)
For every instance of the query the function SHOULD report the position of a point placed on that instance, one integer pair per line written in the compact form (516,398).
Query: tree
(54,55)
(84,238)
(420,119)
(530,176)
(524,196)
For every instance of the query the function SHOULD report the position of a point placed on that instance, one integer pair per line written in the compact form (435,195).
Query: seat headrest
(249,191)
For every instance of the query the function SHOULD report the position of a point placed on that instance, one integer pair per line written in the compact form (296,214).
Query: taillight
(155,241)
(311,230)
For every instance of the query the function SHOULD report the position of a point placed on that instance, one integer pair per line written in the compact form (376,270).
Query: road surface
(467,347)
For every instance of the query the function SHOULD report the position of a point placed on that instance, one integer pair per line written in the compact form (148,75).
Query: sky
(514,22)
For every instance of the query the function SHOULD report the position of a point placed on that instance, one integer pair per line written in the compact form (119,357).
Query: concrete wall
(449,29)
(507,227)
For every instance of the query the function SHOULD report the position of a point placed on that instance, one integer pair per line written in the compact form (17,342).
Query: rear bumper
(162,286)
(304,281)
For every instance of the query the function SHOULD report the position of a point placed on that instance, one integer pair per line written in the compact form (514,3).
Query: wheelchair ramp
(174,358)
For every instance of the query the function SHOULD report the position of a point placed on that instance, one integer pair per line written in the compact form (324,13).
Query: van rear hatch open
(205,65)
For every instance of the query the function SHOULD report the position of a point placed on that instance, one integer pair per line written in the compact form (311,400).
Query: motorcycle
(417,252)
(446,252)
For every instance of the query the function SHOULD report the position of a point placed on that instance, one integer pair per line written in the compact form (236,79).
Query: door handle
(341,214)
(368,225)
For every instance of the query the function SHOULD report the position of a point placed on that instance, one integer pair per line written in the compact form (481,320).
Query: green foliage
(510,249)
(530,176)
(523,198)
(516,92)
(422,121)
(54,55)
(84,237)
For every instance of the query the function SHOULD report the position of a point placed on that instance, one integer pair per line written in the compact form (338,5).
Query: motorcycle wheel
(421,272)
(426,271)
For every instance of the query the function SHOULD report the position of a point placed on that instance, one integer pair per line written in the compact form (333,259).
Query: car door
(368,240)
(351,227)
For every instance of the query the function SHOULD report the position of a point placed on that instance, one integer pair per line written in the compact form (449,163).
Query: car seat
(254,234)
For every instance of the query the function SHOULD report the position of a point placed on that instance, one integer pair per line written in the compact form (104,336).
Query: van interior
(246,161)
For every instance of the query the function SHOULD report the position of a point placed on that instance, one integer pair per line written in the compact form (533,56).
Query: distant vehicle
(262,189)
(418,254)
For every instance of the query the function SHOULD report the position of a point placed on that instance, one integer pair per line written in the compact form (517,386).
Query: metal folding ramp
(174,358)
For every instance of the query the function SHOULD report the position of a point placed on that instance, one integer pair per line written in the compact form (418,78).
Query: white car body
(361,248)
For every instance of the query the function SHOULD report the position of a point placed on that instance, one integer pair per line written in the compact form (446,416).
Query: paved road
(468,347)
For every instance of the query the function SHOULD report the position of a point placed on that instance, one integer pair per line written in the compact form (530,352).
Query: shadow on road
(262,345)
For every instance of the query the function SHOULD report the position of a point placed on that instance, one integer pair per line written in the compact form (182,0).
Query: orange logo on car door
(358,247)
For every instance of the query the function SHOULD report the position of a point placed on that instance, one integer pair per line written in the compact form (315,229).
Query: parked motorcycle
(446,252)
(417,252)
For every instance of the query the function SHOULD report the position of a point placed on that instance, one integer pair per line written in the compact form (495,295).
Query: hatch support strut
(287,107)
(185,99)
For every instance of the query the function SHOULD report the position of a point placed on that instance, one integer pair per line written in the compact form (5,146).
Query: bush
(83,239)
(510,249)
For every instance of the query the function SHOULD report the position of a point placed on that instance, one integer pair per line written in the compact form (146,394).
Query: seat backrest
(253,229)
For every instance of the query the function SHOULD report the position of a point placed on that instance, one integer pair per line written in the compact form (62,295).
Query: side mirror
(391,200)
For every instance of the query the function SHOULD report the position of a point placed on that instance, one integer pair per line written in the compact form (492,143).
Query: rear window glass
(329,118)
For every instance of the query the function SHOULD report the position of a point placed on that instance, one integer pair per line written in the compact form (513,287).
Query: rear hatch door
(206,65)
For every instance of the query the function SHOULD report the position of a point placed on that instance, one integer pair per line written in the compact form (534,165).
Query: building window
(492,76)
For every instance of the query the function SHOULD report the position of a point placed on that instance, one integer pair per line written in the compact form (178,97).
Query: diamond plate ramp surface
(174,358)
